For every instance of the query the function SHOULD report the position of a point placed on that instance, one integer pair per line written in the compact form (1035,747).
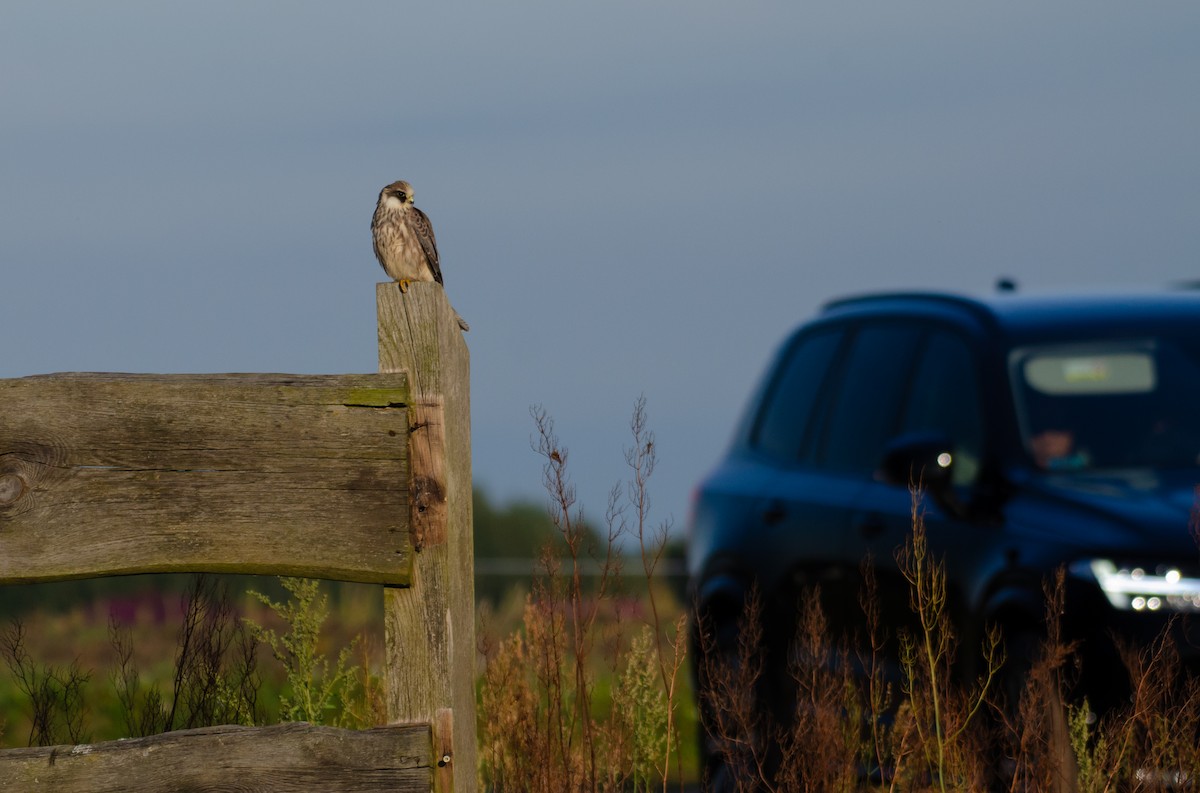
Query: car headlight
(1141,588)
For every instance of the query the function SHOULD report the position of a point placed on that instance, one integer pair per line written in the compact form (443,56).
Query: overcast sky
(630,197)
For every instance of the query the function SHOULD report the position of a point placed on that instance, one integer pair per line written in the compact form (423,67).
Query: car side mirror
(921,458)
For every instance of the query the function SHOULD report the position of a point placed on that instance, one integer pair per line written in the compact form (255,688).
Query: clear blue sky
(630,197)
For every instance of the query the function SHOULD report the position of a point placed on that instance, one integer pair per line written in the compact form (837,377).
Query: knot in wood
(12,487)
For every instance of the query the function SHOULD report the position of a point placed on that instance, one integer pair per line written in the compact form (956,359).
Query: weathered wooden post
(430,625)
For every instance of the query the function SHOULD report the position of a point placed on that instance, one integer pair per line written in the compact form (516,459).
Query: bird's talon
(403,284)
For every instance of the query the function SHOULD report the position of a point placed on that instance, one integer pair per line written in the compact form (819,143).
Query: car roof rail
(973,305)
(979,310)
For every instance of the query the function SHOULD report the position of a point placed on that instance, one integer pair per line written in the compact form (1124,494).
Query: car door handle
(773,513)
(872,525)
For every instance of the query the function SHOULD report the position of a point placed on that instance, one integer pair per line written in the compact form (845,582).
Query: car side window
(864,411)
(945,398)
(789,406)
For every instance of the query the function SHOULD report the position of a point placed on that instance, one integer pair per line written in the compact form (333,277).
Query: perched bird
(404,241)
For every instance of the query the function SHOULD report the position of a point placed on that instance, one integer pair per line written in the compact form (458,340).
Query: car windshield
(1109,405)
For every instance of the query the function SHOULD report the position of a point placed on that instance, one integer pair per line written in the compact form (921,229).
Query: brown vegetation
(582,691)
(543,724)
(851,726)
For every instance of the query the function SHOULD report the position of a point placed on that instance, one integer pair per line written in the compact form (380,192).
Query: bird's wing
(428,242)
(375,240)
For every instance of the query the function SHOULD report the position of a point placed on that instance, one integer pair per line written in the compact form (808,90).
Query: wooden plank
(286,757)
(109,474)
(430,627)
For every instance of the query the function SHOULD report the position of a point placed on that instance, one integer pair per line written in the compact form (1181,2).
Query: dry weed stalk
(825,748)
(944,712)
(1150,745)
(543,727)
(55,693)
(1039,730)
(215,678)
(825,744)
(850,724)
(730,682)
(641,459)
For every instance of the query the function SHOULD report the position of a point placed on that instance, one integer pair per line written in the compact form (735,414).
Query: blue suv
(1050,433)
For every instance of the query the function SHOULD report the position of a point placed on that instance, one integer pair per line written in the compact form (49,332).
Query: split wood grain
(109,474)
(279,759)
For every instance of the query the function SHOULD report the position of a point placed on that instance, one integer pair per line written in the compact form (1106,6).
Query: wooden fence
(347,477)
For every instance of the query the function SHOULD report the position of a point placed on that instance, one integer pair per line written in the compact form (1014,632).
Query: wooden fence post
(430,626)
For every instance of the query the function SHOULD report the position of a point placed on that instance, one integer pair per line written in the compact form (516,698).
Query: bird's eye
(402,197)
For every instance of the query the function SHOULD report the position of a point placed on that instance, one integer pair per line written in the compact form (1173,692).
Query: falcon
(404,242)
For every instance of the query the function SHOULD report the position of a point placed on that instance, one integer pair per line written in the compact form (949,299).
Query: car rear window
(787,410)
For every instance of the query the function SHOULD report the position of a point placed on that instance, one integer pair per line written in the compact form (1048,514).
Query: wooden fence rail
(346,477)
(283,758)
